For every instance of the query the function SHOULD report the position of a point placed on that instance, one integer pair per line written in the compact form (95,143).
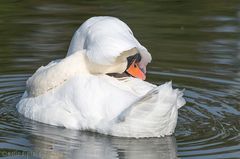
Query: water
(196,44)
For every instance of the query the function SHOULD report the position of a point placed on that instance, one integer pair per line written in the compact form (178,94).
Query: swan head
(110,47)
(134,69)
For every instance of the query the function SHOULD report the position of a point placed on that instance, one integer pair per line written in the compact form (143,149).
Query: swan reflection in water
(55,143)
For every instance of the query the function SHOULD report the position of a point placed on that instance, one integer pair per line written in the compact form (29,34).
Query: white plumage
(76,93)
(104,39)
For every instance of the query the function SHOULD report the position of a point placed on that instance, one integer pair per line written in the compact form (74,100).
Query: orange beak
(135,71)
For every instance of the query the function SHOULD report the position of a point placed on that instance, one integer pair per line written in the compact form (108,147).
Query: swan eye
(135,58)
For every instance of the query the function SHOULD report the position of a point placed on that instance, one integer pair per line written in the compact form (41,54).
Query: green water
(196,44)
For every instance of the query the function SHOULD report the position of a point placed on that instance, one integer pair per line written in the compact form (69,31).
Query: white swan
(77,93)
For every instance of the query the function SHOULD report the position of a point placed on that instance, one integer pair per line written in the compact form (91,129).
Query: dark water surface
(196,44)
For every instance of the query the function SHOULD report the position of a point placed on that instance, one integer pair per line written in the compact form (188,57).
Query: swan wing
(154,114)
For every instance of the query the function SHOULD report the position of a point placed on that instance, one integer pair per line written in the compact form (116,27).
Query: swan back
(56,73)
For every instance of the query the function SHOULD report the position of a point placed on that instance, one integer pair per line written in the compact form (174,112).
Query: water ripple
(195,44)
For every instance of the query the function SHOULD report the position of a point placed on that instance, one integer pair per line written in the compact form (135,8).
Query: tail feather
(155,114)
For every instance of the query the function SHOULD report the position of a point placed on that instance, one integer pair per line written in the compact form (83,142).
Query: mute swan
(78,92)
